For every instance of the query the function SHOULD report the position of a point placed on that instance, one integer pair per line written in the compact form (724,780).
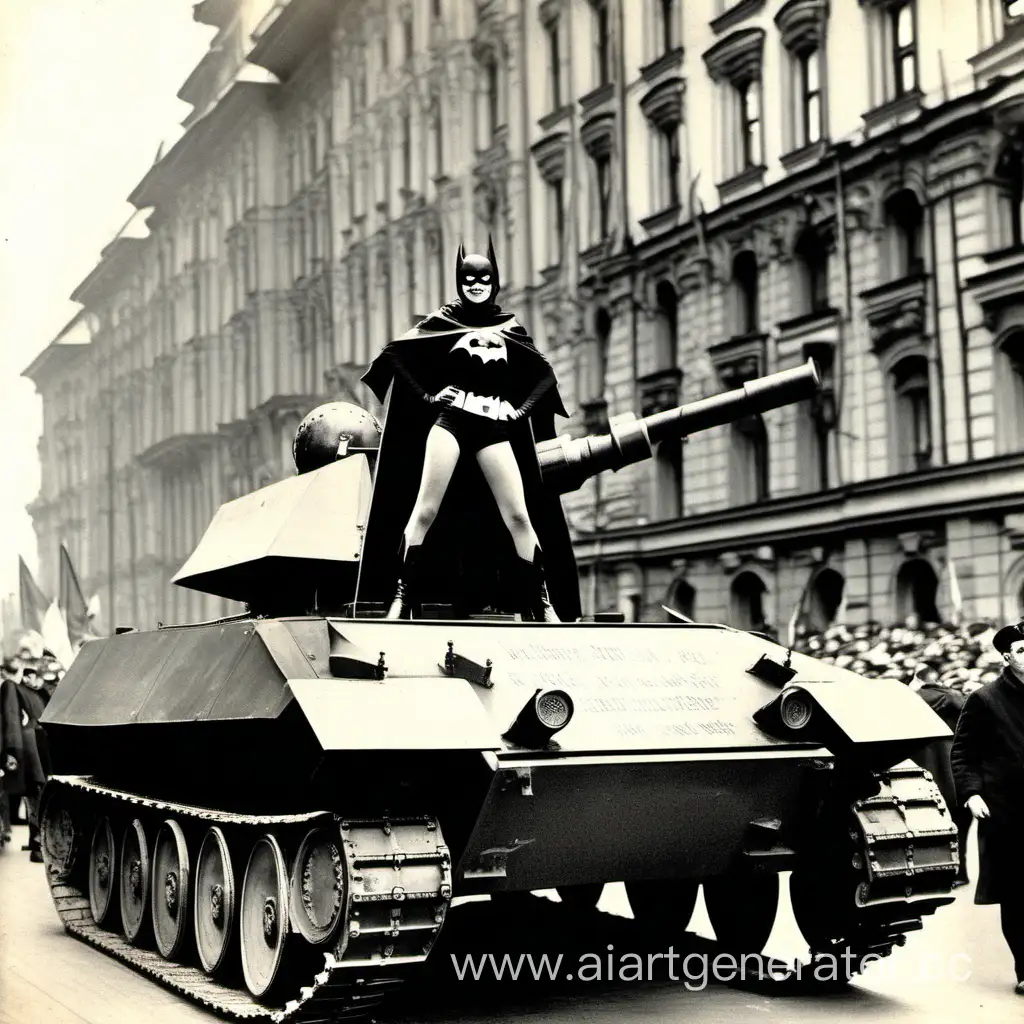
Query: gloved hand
(446,396)
(977,806)
(11,763)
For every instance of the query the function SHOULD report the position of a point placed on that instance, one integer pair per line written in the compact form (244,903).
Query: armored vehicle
(272,813)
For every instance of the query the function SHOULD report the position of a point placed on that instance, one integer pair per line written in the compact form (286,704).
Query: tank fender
(407,713)
(843,716)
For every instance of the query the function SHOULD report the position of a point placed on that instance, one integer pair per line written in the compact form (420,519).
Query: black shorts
(472,432)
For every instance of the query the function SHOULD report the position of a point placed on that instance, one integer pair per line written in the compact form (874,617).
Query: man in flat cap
(988,768)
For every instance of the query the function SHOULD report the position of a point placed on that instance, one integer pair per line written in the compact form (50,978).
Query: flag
(956,599)
(55,636)
(71,601)
(34,603)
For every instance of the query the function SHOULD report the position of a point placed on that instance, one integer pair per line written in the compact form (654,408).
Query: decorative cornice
(740,184)
(550,11)
(666,63)
(739,359)
(737,57)
(801,24)
(598,134)
(736,12)
(663,104)
(895,310)
(659,391)
(601,96)
(894,112)
(551,154)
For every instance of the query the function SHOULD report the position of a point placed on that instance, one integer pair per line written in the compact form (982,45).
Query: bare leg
(439,460)
(501,471)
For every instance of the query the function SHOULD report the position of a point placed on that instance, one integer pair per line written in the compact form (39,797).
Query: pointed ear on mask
(460,256)
(493,260)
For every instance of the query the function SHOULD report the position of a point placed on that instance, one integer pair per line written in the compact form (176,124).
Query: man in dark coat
(988,768)
(33,758)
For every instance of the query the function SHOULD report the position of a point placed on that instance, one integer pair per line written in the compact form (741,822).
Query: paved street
(47,976)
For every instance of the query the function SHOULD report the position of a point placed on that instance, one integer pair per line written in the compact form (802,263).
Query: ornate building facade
(682,196)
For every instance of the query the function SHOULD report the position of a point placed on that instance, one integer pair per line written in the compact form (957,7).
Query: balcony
(896,310)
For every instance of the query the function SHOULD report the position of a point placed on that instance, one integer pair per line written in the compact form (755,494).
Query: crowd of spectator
(957,657)
(27,681)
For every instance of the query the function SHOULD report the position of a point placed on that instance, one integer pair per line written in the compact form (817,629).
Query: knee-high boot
(401,606)
(536,604)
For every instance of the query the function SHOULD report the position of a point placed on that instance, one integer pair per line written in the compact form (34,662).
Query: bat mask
(476,277)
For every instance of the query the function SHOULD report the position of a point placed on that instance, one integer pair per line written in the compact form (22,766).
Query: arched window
(1009,173)
(592,370)
(745,282)
(683,598)
(812,261)
(823,599)
(1009,391)
(916,588)
(912,440)
(905,231)
(747,601)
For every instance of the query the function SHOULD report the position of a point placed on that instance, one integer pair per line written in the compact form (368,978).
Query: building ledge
(555,118)
(983,487)
(597,99)
(736,12)
(801,159)
(819,325)
(1000,286)
(662,104)
(663,220)
(1002,59)
(177,450)
(663,66)
(739,358)
(213,12)
(895,310)
(741,184)
(289,33)
(659,391)
(551,155)
(894,112)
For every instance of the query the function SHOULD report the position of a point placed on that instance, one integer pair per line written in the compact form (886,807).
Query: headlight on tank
(544,714)
(794,714)
(795,709)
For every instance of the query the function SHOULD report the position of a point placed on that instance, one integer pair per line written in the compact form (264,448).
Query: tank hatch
(289,547)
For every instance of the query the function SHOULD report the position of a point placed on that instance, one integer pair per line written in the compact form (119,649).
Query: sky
(87,95)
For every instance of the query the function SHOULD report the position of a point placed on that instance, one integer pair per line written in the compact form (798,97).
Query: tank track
(895,865)
(361,968)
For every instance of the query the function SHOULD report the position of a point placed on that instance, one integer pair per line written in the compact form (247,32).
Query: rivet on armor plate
(353,930)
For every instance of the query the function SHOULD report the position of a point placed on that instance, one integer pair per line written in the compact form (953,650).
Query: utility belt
(488,407)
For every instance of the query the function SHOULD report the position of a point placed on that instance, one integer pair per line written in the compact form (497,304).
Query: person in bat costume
(469,397)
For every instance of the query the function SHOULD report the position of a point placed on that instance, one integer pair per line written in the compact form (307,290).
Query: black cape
(468,559)
(988,759)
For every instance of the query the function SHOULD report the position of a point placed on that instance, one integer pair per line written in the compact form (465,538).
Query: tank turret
(294,545)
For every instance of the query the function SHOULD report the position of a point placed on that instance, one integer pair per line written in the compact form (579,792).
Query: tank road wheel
(742,910)
(263,919)
(103,873)
(581,897)
(319,887)
(663,906)
(214,908)
(169,890)
(134,889)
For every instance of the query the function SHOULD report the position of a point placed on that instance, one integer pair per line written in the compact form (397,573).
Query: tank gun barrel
(565,463)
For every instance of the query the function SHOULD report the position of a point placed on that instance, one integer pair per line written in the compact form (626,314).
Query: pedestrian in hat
(988,769)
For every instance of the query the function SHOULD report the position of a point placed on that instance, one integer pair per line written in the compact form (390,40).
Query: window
(595,361)
(666,11)
(439,141)
(750,451)
(745,282)
(1009,225)
(812,262)
(750,124)
(385,50)
(408,38)
(489,96)
(554,64)
(556,222)
(746,601)
(407,149)
(1009,387)
(917,587)
(809,79)
(905,226)
(410,274)
(904,48)
(823,600)
(668,140)
(603,178)
(602,44)
(912,443)
(435,9)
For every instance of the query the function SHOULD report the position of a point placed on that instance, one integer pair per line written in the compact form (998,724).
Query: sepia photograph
(511,510)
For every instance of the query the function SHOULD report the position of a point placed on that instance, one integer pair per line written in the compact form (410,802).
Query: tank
(272,813)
